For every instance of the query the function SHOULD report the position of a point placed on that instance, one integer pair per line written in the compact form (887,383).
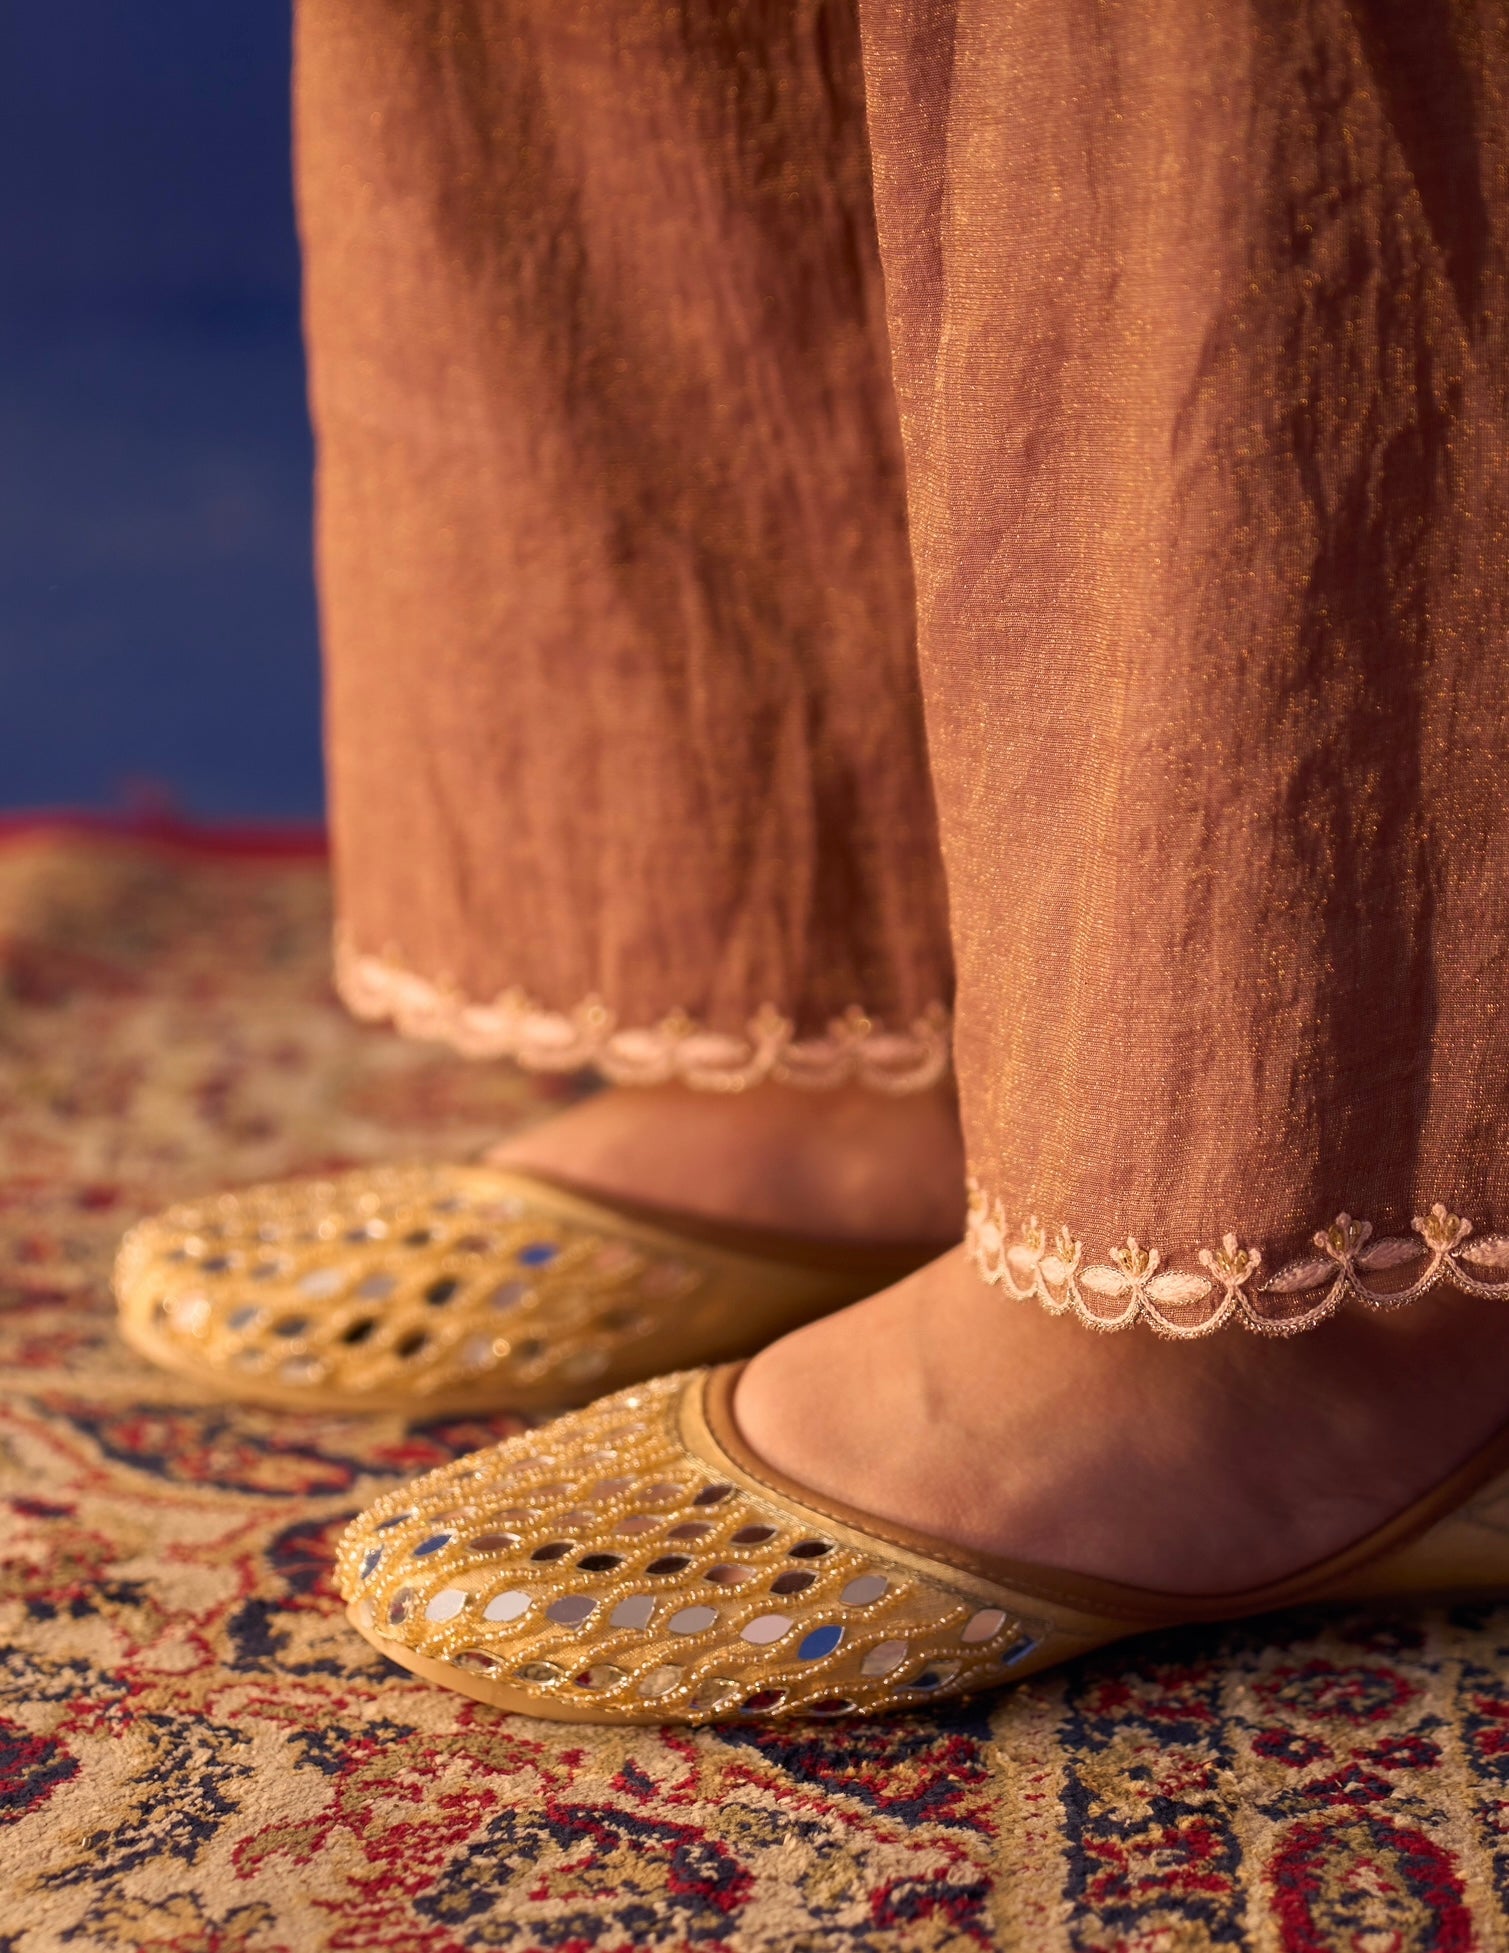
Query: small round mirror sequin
(763,1701)
(693,1620)
(322,1282)
(819,1642)
(717,1692)
(434,1544)
(982,1626)
(765,1628)
(541,1673)
(937,1675)
(446,1605)
(753,1535)
(868,1587)
(791,1583)
(660,1681)
(571,1610)
(506,1607)
(601,1675)
(481,1352)
(729,1576)
(398,1607)
(370,1562)
(635,1612)
(884,1658)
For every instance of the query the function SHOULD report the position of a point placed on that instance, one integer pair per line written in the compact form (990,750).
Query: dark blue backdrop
(156,610)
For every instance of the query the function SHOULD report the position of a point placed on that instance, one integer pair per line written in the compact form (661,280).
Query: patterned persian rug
(196,1753)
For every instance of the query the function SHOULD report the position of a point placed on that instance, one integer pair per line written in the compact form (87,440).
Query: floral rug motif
(198,1756)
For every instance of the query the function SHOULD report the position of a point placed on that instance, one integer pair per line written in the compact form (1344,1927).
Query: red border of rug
(245,840)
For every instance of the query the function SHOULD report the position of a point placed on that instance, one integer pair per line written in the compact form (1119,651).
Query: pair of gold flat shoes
(633,1561)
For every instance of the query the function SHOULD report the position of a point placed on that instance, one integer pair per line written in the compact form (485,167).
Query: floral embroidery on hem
(1049,1266)
(854,1048)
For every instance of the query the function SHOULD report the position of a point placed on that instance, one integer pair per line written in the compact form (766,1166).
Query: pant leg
(624,726)
(1202,352)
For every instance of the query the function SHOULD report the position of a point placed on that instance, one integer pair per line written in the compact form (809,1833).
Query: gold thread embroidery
(1134,1285)
(854,1049)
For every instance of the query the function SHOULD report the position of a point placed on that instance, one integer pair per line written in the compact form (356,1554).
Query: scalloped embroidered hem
(854,1049)
(1133,1284)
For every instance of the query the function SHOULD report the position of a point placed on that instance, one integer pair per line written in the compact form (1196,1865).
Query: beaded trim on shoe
(606,1566)
(1134,1284)
(854,1048)
(444,1288)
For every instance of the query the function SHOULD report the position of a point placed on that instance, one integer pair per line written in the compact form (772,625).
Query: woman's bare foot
(1203,1467)
(842,1165)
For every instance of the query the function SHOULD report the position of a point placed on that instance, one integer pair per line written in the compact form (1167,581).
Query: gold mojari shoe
(447,1289)
(635,1563)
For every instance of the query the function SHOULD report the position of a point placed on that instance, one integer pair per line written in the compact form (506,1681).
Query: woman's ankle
(842,1164)
(1199,1467)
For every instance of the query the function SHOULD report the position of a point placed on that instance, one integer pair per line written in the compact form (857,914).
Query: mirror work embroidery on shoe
(1133,1284)
(600,1563)
(420,1279)
(854,1049)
